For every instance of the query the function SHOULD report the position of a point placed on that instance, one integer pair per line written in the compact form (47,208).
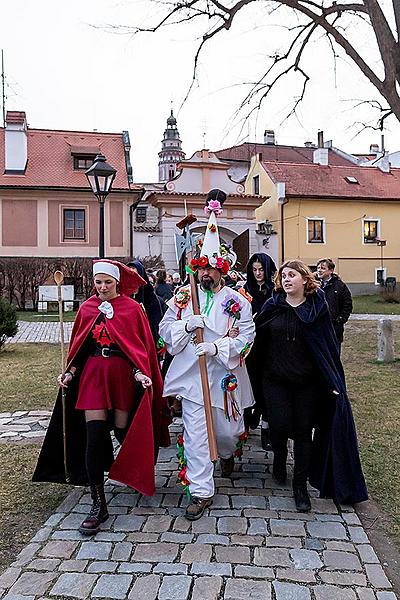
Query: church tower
(171,151)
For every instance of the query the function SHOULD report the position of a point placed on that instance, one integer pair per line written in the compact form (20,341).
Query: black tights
(96,444)
(291,413)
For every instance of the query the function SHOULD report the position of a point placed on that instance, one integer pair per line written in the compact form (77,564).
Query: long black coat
(335,469)
(338,297)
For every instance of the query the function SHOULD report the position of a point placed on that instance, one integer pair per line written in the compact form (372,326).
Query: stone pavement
(41,332)
(23,425)
(50,332)
(251,544)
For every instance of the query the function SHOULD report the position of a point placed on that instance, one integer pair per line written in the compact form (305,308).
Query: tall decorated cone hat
(210,252)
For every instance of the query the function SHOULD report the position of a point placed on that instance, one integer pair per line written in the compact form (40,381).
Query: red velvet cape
(134,464)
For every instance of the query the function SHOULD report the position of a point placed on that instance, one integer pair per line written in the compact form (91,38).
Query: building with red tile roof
(47,208)
(349,213)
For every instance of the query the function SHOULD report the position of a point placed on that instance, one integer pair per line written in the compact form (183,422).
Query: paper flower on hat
(212,228)
(214,206)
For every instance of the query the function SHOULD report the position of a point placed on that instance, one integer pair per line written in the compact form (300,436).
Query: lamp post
(101,176)
(381,244)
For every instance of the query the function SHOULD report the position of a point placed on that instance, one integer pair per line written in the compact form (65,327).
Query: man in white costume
(228,328)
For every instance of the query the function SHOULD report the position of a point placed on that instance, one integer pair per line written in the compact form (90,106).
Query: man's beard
(207,283)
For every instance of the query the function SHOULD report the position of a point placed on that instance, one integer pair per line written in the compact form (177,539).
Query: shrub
(8,321)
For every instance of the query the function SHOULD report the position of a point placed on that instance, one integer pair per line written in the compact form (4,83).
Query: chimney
(374,149)
(269,137)
(320,156)
(320,139)
(16,142)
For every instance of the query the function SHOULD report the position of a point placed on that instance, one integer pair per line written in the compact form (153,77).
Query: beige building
(349,213)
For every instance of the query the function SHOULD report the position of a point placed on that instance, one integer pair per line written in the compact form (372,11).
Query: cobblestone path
(40,332)
(251,544)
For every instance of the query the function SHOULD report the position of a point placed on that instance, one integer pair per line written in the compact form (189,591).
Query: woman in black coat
(303,385)
(148,298)
(260,273)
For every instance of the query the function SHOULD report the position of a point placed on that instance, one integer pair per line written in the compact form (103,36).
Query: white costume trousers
(200,469)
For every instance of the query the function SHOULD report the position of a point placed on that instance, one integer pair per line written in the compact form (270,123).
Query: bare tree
(330,17)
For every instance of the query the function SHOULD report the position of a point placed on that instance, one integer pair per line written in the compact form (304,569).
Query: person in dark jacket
(148,298)
(296,358)
(260,273)
(337,294)
(162,288)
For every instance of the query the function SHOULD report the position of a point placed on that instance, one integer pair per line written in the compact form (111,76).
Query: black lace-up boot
(98,513)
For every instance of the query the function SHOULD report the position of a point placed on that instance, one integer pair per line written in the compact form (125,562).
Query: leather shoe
(196,508)
(227,466)
(301,498)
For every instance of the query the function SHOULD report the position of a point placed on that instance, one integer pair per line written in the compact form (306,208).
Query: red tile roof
(50,162)
(286,154)
(310,180)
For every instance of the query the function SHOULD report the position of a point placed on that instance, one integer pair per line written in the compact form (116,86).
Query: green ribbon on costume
(209,303)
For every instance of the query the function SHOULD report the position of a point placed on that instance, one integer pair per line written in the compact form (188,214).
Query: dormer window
(83,156)
(83,162)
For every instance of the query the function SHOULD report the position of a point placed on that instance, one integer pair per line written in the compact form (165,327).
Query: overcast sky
(67,70)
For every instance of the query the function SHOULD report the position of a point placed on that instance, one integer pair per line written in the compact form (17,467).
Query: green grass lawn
(374,391)
(51,317)
(374,305)
(28,374)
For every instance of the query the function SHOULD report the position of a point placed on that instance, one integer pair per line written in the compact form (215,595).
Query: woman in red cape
(112,381)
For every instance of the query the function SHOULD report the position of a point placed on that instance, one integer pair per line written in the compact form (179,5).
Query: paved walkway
(23,425)
(41,332)
(251,544)
(50,332)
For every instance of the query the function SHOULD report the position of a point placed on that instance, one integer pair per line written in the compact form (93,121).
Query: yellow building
(345,212)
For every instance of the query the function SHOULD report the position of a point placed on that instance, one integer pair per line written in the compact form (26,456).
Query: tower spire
(171,150)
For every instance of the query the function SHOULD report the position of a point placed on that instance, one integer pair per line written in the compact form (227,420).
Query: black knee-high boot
(120,433)
(279,447)
(96,442)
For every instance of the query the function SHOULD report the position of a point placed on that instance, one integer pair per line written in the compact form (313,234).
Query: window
(171,172)
(256,185)
(315,231)
(141,214)
(370,230)
(74,224)
(83,162)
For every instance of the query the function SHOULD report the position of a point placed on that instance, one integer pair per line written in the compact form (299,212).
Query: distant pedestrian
(162,288)
(338,295)
(176,280)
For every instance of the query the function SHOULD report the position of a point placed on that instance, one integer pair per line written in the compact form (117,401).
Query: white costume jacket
(183,376)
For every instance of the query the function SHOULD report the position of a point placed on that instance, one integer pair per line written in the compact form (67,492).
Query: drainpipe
(132,209)
(282,200)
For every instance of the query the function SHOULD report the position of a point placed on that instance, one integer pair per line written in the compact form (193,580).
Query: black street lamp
(101,176)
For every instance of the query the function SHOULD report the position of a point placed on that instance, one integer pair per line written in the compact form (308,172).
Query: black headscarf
(260,293)
(148,298)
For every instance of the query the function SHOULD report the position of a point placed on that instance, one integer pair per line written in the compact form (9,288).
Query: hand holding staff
(59,278)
